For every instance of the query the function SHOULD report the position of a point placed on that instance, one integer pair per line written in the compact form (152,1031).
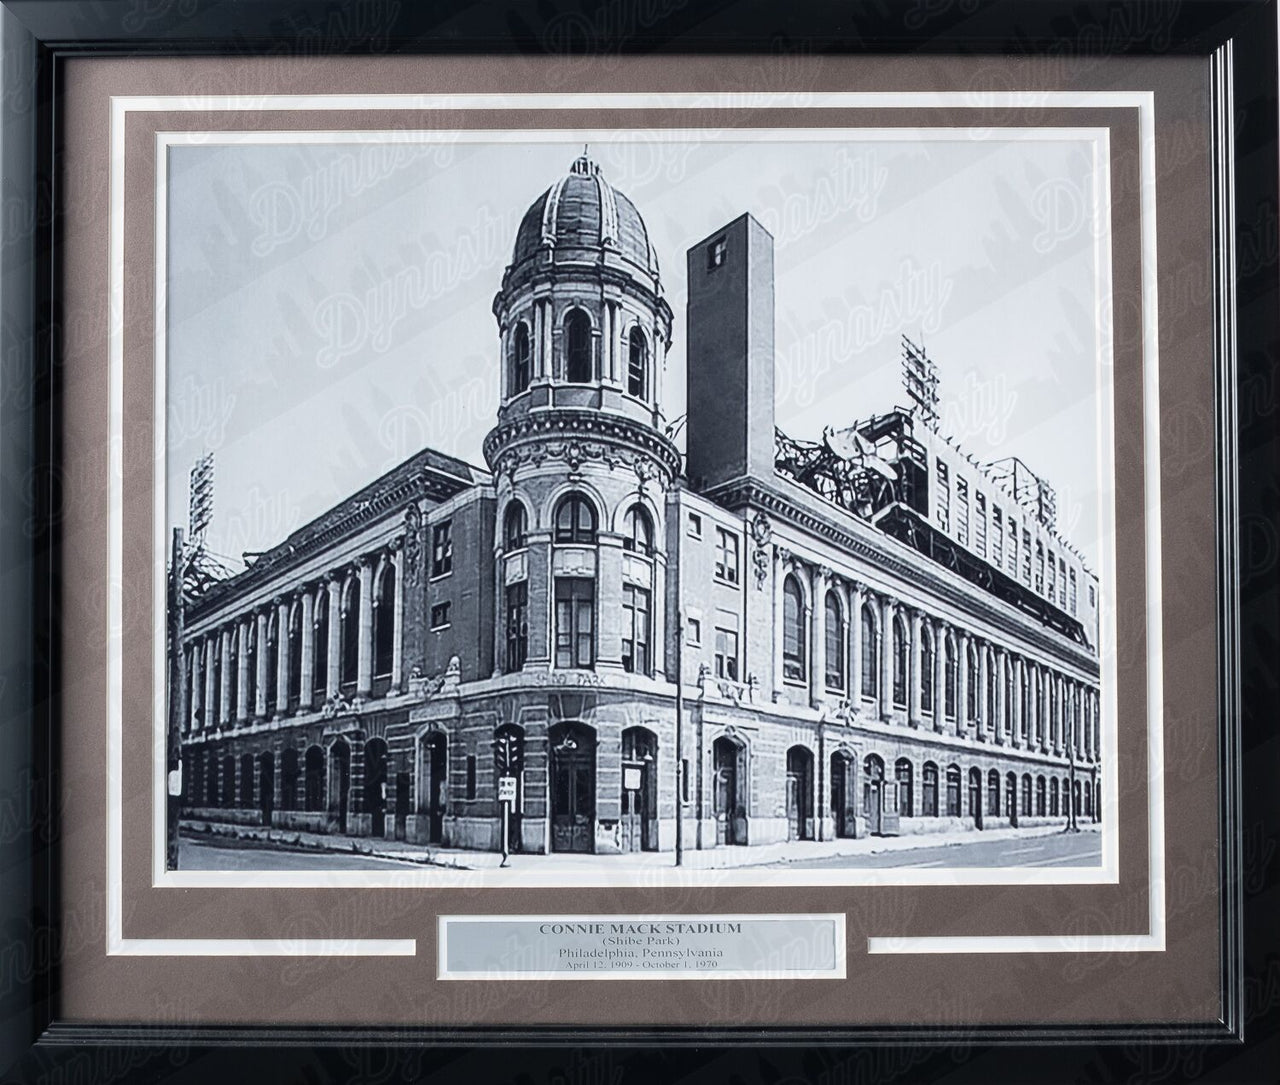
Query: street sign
(507,789)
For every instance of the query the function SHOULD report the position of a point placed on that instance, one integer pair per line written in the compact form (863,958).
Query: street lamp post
(177,697)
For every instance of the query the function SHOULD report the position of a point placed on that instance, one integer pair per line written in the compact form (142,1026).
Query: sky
(329,307)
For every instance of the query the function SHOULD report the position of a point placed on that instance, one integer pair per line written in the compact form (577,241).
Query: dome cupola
(581,219)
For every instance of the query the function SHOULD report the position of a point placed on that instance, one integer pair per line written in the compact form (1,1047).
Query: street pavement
(261,849)
(1059,849)
(193,855)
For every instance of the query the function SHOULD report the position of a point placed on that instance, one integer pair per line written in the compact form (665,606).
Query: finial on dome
(583,166)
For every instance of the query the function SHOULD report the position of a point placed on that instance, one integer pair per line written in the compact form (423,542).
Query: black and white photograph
(594,507)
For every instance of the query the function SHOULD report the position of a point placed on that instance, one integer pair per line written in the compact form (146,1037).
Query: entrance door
(975,797)
(435,749)
(873,793)
(799,788)
(843,790)
(729,804)
(266,786)
(339,781)
(573,789)
(375,785)
(639,827)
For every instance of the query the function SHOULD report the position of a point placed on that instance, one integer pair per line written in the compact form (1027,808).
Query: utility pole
(177,697)
(1071,826)
(677,614)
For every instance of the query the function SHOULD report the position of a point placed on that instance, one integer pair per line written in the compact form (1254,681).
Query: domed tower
(579,453)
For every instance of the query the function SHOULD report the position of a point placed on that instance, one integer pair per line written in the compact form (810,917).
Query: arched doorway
(374,792)
(266,786)
(843,789)
(799,793)
(1011,798)
(975,797)
(729,794)
(879,798)
(573,788)
(339,782)
(433,776)
(639,790)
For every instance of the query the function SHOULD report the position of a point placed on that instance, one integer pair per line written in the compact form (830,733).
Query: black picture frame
(38,36)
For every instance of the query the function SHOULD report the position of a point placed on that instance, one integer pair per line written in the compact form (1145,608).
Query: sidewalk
(720,858)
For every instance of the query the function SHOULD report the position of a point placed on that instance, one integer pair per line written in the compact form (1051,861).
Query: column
(209,650)
(282,657)
(818,636)
(886,658)
(539,361)
(915,678)
(980,701)
(397,620)
(962,688)
(197,683)
(939,682)
(856,597)
(260,683)
(333,679)
(307,671)
(1097,725)
(1055,712)
(548,360)
(1042,709)
(1075,717)
(1002,709)
(364,653)
(224,689)
(242,670)
(1016,715)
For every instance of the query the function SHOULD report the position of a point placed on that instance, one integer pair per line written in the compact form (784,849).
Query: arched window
(1010,796)
(870,656)
(929,790)
(792,630)
(273,658)
(251,666)
(521,360)
(637,365)
(295,653)
(899,661)
(1026,794)
(246,781)
(575,520)
(993,793)
(973,691)
(320,643)
(314,786)
(577,354)
(949,696)
(1053,797)
(289,778)
(637,531)
(384,612)
(515,528)
(926,670)
(902,772)
(1040,805)
(834,642)
(953,791)
(351,632)
(233,694)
